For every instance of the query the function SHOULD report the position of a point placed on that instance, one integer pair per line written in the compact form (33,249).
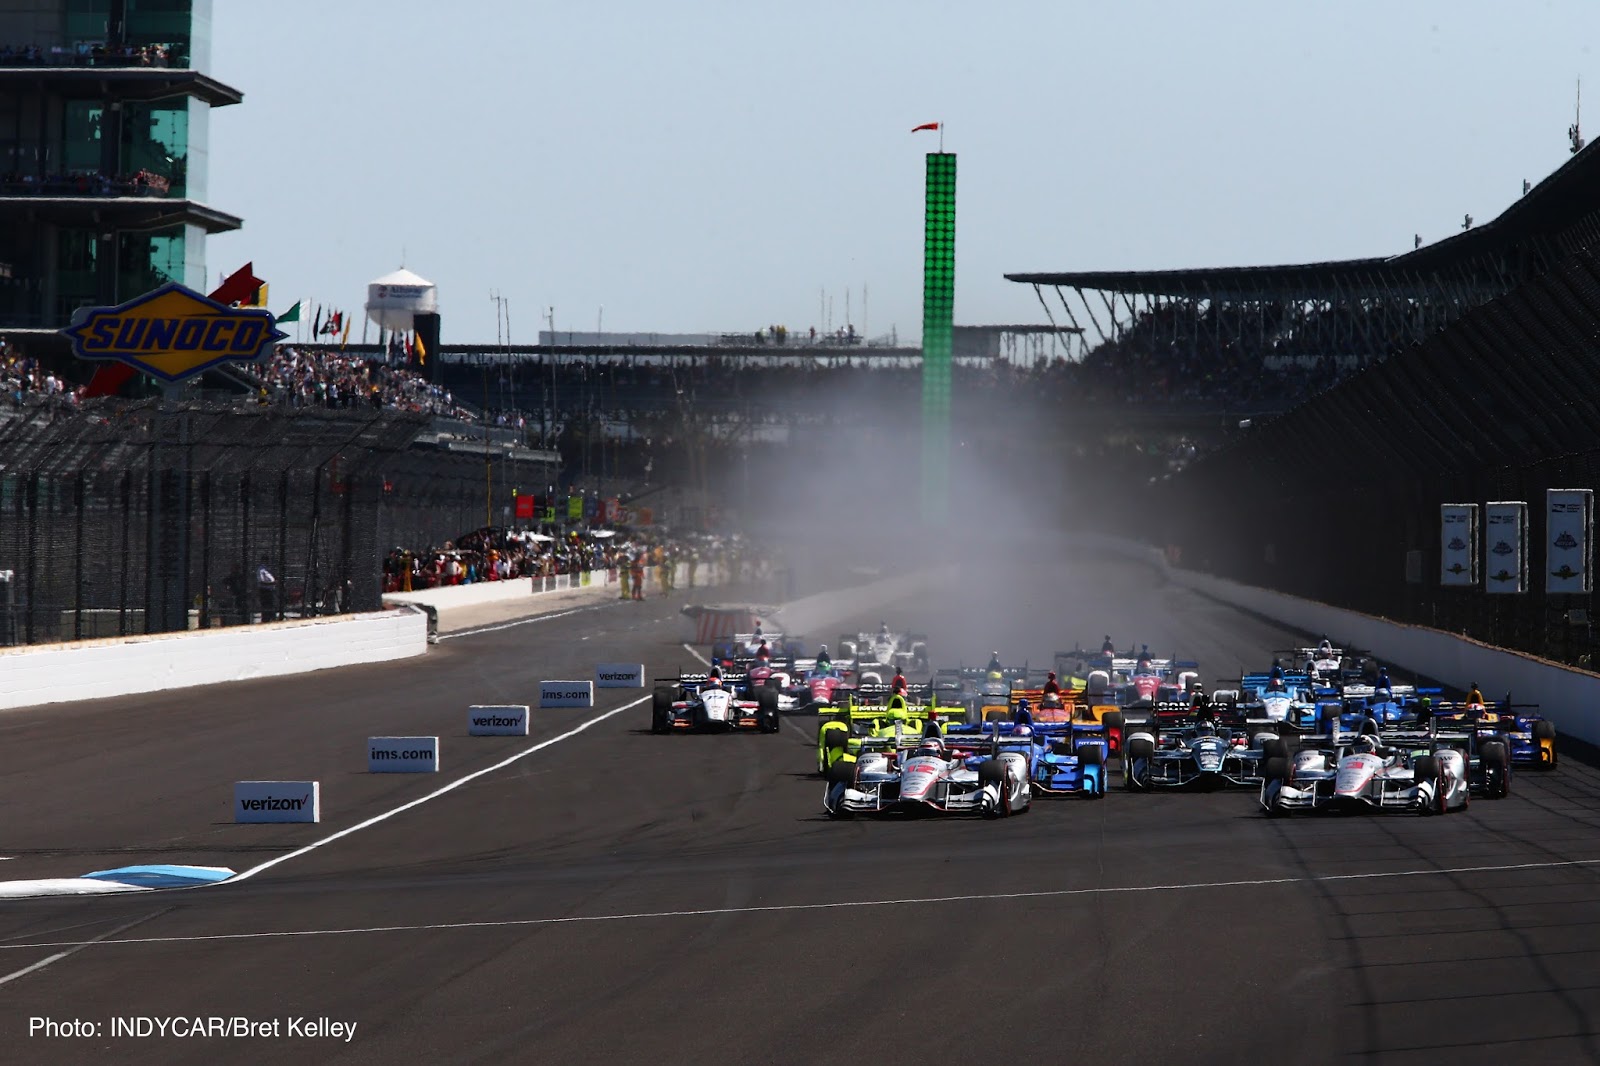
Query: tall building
(105,109)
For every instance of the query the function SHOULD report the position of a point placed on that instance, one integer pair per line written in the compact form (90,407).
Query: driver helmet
(931,746)
(1022,706)
(1367,744)
(1052,675)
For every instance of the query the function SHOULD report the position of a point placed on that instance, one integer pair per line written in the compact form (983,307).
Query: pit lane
(1136,928)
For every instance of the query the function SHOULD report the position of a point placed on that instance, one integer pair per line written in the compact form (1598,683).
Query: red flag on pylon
(925,126)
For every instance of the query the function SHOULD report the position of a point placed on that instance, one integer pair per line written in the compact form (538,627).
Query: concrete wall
(57,673)
(1568,697)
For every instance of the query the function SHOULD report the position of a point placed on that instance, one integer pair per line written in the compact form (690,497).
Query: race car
(708,703)
(745,645)
(1063,757)
(1144,680)
(1409,774)
(1197,754)
(937,775)
(873,711)
(1328,663)
(1530,737)
(886,648)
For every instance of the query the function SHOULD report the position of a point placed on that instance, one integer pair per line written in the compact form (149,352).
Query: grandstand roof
(1554,218)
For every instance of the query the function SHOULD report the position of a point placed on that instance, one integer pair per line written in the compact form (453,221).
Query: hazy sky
(716,166)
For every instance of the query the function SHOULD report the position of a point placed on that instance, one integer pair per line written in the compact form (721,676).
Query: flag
(925,126)
(422,351)
(344,339)
(291,315)
(316,326)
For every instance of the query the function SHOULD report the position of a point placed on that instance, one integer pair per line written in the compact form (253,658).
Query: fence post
(205,549)
(77,558)
(281,586)
(127,544)
(32,557)
(308,599)
(247,588)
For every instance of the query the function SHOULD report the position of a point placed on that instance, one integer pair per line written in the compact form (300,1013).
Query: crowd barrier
(84,670)
(1568,697)
(453,597)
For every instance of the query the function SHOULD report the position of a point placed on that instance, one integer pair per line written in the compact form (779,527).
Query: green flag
(291,315)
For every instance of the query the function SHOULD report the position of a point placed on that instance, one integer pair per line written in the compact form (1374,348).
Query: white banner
(1569,541)
(1458,544)
(566,694)
(619,675)
(1505,547)
(277,801)
(498,721)
(402,755)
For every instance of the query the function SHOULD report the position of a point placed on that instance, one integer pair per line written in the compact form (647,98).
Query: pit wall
(92,669)
(1568,697)
(452,597)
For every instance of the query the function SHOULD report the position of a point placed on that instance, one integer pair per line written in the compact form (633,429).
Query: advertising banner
(498,721)
(1569,541)
(1458,544)
(619,675)
(402,755)
(1505,547)
(566,694)
(277,801)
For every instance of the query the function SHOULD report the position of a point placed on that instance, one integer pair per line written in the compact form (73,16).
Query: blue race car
(1064,758)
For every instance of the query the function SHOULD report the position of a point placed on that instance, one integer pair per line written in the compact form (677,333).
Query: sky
(724,167)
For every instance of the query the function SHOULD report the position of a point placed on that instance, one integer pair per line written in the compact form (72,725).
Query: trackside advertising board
(619,675)
(277,801)
(1569,541)
(1458,544)
(566,694)
(1505,547)
(508,720)
(402,755)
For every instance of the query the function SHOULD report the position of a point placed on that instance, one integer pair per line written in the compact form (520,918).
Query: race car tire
(1274,768)
(993,771)
(1425,768)
(661,710)
(767,720)
(1276,748)
(1062,747)
(1090,755)
(842,772)
(1137,749)
(1113,723)
(1542,731)
(1495,759)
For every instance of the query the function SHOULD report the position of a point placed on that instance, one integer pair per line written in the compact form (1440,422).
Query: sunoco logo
(1566,541)
(173,333)
(1501,548)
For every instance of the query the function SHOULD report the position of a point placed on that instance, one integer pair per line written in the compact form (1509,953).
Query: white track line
(791,907)
(75,948)
(436,793)
(520,622)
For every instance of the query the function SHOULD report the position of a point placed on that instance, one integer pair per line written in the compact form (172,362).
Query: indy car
(1408,773)
(1142,680)
(1530,737)
(886,648)
(873,711)
(1327,663)
(1200,749)
(745,645)
(707,703)
(1064,757)
(937,775)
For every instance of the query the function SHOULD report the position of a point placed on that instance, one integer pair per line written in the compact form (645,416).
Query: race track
(616,896)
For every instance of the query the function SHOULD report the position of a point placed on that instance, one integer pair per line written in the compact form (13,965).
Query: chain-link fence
(124,518)
(1338,501)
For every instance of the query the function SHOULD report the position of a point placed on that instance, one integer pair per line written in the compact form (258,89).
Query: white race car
(885,648)
(705,704)
(1362,772)
(934,776)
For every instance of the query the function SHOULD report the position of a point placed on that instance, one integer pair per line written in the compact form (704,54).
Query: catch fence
(122,518)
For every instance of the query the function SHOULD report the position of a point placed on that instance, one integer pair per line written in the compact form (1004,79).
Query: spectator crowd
(334,379)
(92,54)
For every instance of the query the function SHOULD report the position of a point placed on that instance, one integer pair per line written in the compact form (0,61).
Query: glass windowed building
(104,111)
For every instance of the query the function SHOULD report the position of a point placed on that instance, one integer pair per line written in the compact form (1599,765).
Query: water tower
(395,300)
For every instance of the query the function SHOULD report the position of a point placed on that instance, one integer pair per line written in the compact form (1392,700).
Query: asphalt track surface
(618,896)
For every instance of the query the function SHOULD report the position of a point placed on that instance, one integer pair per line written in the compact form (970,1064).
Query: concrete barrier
(277,801)
(93,669)
(566,694)
(1568,697)
(497,720)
